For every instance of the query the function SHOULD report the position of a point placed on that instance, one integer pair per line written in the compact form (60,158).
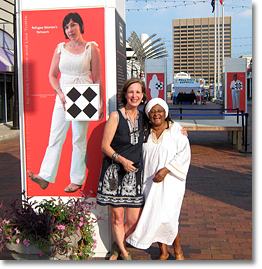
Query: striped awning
(6,60)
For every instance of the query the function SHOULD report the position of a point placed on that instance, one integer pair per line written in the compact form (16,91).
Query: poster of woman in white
(63,48)
(236,82)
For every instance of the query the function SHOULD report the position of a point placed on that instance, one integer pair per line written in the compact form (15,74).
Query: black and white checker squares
(159,85)
(82,102)
(238,86)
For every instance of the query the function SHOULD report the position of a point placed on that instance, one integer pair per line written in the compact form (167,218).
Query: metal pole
(215,56)
(16,103)
(250,85)
(243,133)
(5,101)
(223,37)
(218,48)
(246,132)
(246,129)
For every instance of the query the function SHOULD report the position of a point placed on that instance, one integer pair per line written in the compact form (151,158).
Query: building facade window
(198,45)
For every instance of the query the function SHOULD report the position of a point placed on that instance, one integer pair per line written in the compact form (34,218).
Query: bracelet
(58,88)
(115,156)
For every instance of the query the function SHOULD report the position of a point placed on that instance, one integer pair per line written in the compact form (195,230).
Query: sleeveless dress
(75,69)
(116,187)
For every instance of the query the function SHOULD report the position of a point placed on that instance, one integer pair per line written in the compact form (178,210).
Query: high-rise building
(194,46)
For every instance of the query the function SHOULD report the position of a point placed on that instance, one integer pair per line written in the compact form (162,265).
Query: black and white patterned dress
(116,187)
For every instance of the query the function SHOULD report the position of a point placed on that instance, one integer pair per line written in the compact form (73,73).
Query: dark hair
(148,124)
(127,84)
(75,18)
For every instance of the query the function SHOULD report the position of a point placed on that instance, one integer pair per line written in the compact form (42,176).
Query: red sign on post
(155,84)
(236,90)
(42,31)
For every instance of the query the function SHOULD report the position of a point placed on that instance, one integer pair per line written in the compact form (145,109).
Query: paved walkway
(216,216)
(6,131)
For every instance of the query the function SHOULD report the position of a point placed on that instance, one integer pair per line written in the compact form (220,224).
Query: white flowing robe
(163,201)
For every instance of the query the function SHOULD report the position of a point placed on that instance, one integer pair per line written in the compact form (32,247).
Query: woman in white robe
(166,159)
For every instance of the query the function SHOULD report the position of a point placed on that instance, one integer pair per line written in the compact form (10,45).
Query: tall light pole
(215,52)
(16,103)
(218,49)
(223,36)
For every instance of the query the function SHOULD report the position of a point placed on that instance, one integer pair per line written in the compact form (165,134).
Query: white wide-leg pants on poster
(235,99)
(59,128)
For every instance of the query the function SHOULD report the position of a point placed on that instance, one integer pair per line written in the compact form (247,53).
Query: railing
(239,113)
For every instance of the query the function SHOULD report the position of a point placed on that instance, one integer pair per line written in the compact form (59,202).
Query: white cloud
(247,13)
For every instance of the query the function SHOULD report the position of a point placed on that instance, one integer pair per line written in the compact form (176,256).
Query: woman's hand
(160,175)
(184,131)
(127,164)
(101,112)
(62,98)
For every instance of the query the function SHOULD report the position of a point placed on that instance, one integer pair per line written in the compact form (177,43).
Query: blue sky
(155,16)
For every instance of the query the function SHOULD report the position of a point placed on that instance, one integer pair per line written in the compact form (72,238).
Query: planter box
(32,252)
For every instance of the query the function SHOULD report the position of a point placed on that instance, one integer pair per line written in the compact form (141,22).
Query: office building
(194,46)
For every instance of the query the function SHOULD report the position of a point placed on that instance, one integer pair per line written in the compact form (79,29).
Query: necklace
(127,113)
(133,129)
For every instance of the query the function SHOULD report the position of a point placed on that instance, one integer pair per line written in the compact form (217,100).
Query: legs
(78,162)
(164,253)
(132,216)
(177,250)
(51,159)
(238,99)
(58,131)
(121,229)
(235,99)
(37,179)
(117,221)
(79,141)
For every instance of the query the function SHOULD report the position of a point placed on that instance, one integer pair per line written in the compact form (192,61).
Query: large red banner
(236,97)
(42,31)
(155,83)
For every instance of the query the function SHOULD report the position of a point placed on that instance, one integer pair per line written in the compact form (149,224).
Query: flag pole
(218,49)
(215,63)
(223,36)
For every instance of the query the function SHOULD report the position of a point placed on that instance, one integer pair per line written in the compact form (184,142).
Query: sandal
(72,188)
(163,257)
(180,256)
(115,251)
(127,257)
(37,179)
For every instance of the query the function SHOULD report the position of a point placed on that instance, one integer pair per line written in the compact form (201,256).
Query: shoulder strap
(60,46)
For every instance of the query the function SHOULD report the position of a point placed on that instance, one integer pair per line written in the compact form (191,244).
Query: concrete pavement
(216,215)
(6,131)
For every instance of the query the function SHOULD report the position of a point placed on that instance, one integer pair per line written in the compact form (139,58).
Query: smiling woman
(157,117)
(120,183)
(166,159)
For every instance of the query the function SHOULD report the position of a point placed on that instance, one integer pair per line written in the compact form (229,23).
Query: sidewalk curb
(7,133)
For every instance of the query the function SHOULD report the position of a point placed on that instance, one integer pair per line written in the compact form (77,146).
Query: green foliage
(48,223)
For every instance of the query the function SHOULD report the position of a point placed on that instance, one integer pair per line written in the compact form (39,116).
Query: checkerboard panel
(82,102)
